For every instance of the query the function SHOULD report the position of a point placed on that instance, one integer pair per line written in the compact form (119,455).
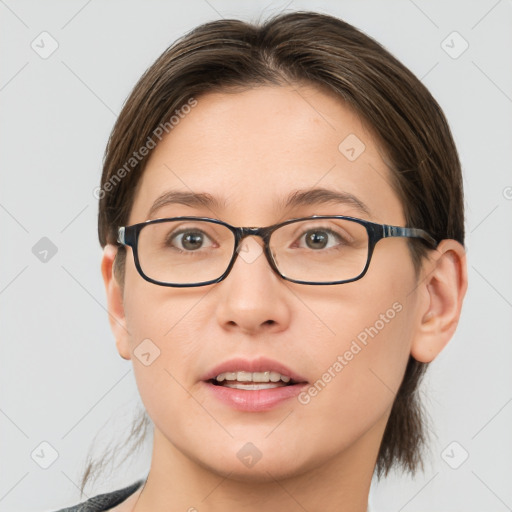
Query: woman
(279,363)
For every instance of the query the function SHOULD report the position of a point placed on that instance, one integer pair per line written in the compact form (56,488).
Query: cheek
(159,312)
(360,364)
(357,373)
(163,336)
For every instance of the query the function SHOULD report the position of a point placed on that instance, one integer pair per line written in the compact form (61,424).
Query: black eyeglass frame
(129,235)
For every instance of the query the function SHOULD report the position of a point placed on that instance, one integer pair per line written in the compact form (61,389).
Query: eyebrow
(192,199)
(297,198)
(318,196)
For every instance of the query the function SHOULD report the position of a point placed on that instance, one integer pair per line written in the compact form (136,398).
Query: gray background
(61,379)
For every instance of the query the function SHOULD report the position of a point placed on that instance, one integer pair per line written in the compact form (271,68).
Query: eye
(189,239)
(322,238)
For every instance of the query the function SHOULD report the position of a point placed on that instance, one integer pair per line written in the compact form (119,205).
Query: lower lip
(256,400)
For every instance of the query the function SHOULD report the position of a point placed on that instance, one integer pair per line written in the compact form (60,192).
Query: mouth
(253,386)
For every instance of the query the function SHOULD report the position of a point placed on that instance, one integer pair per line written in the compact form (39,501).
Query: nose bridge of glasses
(248,248)
(246,239)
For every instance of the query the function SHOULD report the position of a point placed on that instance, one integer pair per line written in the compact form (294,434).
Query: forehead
(251,149)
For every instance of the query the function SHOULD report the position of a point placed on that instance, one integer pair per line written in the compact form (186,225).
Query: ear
(442,289)
(115,302)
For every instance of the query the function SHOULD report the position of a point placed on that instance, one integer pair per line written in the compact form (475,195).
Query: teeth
(253,377)
(253,387)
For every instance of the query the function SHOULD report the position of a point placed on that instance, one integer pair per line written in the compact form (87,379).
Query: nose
(252,298)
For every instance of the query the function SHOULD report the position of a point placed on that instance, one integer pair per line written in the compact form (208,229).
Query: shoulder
(103,502)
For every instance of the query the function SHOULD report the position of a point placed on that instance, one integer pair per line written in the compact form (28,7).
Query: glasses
(317,250)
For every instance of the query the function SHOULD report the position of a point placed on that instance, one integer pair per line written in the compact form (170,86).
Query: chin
(261,472)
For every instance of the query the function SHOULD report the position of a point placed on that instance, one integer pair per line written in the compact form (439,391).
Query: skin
(251,149)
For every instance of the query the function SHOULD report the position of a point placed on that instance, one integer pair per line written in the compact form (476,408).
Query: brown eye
(192,240)
(320,238)
(188,240)
(317,239)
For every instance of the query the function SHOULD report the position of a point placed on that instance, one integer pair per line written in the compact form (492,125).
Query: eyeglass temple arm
(392,231)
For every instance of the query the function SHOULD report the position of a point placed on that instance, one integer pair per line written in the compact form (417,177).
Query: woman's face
(250,151)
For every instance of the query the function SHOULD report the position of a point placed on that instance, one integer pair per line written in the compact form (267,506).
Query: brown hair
(320,50)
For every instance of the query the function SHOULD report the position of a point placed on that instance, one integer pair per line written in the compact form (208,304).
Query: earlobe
(442,290)
(115,303)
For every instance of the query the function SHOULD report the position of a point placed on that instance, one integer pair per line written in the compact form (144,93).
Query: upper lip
(262,364)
